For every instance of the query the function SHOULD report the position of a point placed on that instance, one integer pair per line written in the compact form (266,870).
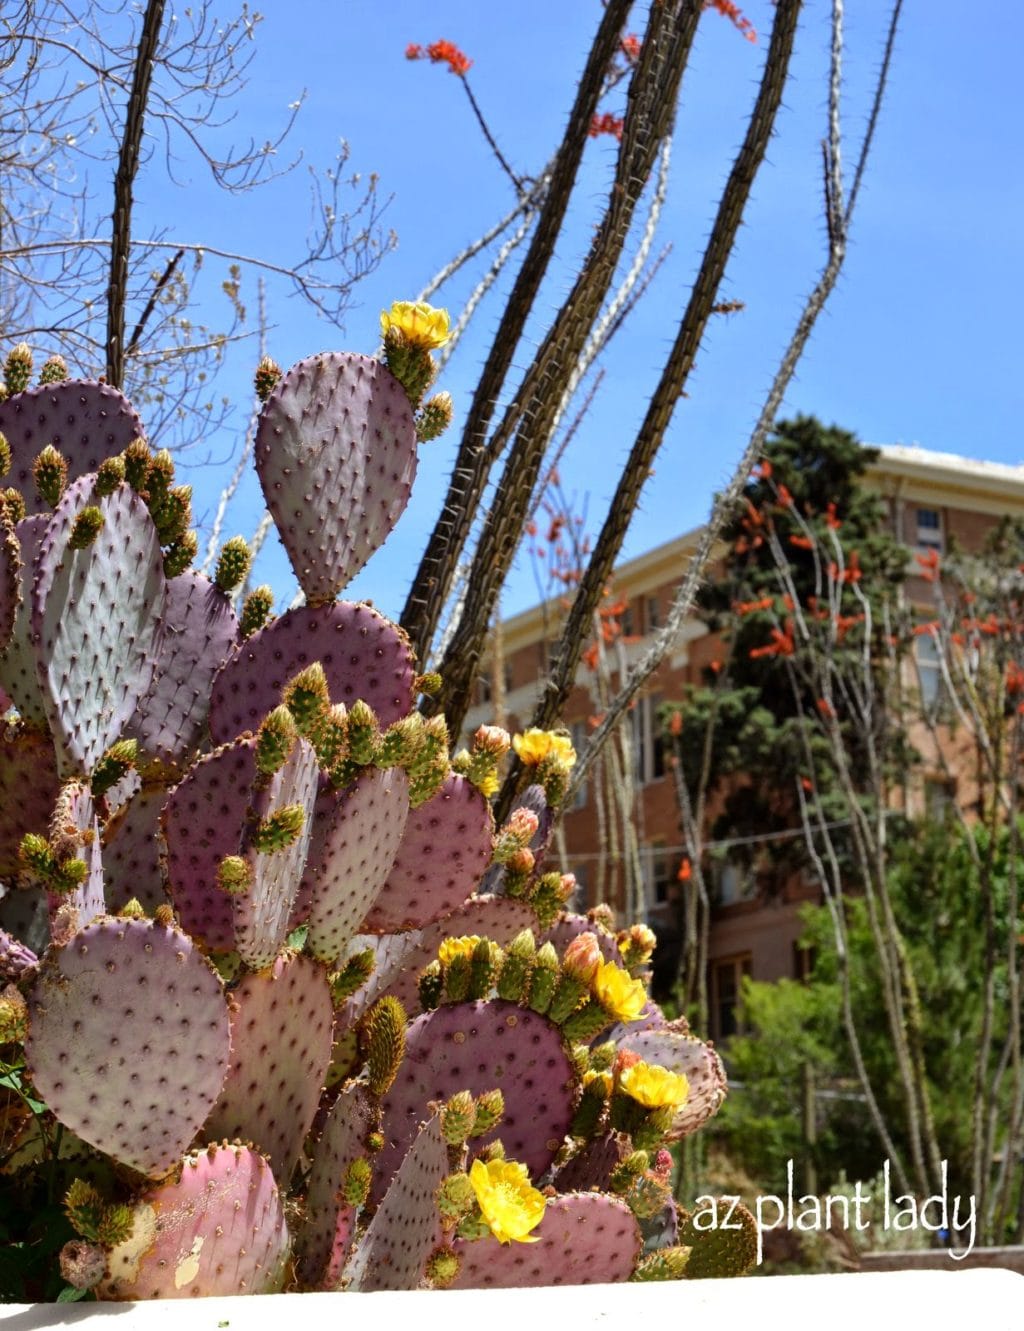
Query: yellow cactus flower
(653,1086)
(488,785)
(457,947)
(621,996)
(508,1203)
(534,745)
(420,324)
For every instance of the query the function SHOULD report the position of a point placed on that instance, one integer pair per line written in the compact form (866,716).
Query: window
(657,874)
(803,963)
(578,730)
(928,529)
(939,798)
(735,882)
(929,671)
(626,621)
(652,614)
(648,741)
(727,978)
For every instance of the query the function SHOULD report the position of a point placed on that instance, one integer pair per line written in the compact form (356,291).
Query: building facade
(929,499)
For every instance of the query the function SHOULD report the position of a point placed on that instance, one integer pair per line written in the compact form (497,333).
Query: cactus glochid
(251,980)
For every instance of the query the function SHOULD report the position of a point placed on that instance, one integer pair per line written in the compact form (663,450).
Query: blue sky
(920,343)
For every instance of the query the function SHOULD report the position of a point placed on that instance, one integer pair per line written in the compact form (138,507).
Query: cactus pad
(96,621)
(202,822)
(336,456)
(10,581)
(354,847)
(442,858)
(200,634)
(84,420)
(363,655)
(217,1229)
(593,1165)
(483,1046)
(28,789)
(132,846)
(128,1039)
(584,1238)
(401,957)
(18,673)
(321,1248)
(406,1227)
(261,915)
(16,960)
(280,1047)
(681,1052)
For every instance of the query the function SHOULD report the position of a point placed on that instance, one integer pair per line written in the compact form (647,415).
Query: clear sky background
(920,343)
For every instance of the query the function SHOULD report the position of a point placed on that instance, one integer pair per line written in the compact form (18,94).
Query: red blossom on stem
(606,124)
(441,53)
(733,12)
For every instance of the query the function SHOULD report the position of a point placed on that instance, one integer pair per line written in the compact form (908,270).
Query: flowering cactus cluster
(280,1006)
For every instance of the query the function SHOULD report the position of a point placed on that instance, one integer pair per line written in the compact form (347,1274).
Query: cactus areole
(281,1007)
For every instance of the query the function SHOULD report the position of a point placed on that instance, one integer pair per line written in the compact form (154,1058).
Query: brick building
(929,498)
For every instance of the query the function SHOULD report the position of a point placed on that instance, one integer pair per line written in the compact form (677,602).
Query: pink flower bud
(582,958)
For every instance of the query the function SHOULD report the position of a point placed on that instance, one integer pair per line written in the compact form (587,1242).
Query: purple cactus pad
(354,846)
(584,1239)
(681,1052)
(84,420)
(129,1039)
(483,1046)
(320,1246)
(336,456)
(16,960)
(200,633)
(133,852)
(441,860)
(363,655)
(10,582)
(18,674)
(281,1028)
(406,1227)
(28,789)
(218,1228)
(96,621)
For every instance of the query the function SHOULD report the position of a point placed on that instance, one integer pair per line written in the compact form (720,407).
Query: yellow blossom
(488,785)
(653,1086)
(509,1205)
(534,745)
(420,324)
(621,996)
(457,947)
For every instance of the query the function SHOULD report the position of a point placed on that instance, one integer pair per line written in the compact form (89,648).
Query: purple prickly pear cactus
(354,845)
(281,1028)
(28,789)
(81,827)
(584,1239)
(336,456)
(442,857)
(96,621)
(699,1063)
(133,852)
(202,823)
(84,420)
(18,674)
(401,957)
(406,1227)
(483,1046)
(201,631)
(218,1228)
(535,801)
(129,1039)
(10,583)
(569,926)
(322,1246)
(16,960)
(592,1167)
(363,655)
(262,913)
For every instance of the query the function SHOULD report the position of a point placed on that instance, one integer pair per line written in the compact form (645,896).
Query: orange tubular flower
(606,124)
(802,542)
(781,644)
(441,53)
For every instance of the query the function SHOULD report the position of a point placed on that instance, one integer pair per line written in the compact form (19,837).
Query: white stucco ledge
(835,1302)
